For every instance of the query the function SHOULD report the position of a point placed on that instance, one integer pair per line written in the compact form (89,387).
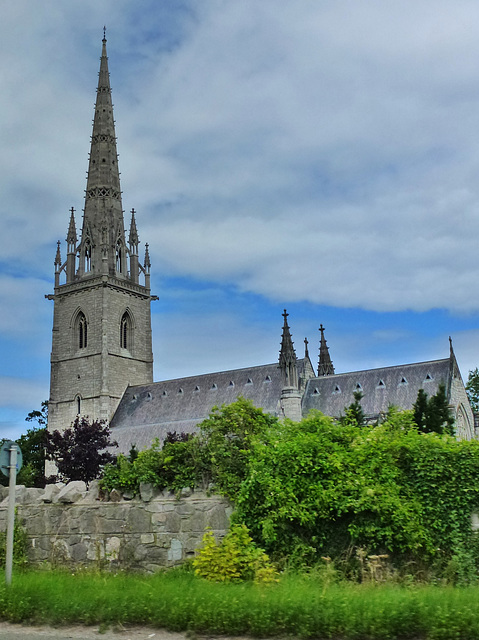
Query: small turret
(71,247)
(290,395)
(58,265)
(325,365)
(147,266)
(133,243)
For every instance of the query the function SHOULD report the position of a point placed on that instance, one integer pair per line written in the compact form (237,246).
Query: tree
(354,413)
(32,446)
(80,451)
(433,415)
(40,417)
(472,389)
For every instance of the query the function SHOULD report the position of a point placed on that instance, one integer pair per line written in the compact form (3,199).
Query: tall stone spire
(102,245)
(101,338)
(325,365)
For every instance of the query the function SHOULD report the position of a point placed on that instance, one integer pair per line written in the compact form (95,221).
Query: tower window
(87,256)
(119,257)
(78,400)
(125,332)
(82,331)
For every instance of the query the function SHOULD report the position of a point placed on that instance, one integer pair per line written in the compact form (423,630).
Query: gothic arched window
(87,256)
(78,401)
(125,332)
(119,257)
(82,331)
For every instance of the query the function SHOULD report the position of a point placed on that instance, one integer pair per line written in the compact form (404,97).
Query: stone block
(147,538)
(49,493)
(216,518)
(115,495)
(72,492)
(196,522)
(175,552)
(173,522)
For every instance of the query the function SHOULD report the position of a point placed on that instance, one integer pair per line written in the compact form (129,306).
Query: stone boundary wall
(68,525)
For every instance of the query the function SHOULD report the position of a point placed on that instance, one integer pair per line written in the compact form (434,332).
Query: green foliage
(472,389)
(433,415)
(354,414)
(80,452)
(219,453)
(227,436)
(20,542)
(322,489)
(235,559)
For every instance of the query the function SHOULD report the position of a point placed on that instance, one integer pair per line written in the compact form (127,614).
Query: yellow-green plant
(235,559)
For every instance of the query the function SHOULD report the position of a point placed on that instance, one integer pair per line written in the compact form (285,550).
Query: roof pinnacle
(325,365)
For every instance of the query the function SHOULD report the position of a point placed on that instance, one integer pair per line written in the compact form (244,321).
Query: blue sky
(318,156)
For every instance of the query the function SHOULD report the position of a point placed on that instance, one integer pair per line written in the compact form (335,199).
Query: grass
(297,606)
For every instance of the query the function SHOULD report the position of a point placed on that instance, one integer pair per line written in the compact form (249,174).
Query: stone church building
(102,360)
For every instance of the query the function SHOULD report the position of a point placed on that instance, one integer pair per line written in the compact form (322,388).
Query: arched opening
(82,331)
(119,257)
(125,331)
(78,402)
(87,255)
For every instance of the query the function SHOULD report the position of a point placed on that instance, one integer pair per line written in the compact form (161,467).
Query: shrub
(235,559)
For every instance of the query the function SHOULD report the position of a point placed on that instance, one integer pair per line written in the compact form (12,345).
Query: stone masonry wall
(71,526)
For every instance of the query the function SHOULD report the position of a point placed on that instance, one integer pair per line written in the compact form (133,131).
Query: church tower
(101,320)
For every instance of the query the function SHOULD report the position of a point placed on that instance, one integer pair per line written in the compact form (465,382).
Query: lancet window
(87,254)
(82,331)
(125,331)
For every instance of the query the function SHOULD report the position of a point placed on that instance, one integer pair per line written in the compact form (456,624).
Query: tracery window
(82,331)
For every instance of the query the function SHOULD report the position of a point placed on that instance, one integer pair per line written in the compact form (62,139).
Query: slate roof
(381,388)
(149,411)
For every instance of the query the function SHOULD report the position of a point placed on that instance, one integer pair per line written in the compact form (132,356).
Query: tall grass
(296,606)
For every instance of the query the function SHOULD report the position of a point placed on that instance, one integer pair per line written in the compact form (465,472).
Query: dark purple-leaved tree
(80,452)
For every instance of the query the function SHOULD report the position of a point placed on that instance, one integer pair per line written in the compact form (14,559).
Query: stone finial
(325,365)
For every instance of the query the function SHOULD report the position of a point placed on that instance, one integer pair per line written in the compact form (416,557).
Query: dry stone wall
(68,525)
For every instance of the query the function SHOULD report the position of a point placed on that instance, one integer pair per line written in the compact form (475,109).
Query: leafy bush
(235,559)
(322,489)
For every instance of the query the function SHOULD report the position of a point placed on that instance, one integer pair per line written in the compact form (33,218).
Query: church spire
(287,357)
(325,365)
(103,233)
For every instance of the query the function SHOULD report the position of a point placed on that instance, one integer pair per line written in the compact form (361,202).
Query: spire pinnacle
(133,238)
(104,33)
(287,356)
(58,257)
(325,365)
(72,232)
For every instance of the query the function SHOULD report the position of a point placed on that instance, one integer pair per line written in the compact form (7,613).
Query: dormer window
(403,381)
(381,385)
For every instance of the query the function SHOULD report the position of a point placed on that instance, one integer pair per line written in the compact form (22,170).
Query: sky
(318,156)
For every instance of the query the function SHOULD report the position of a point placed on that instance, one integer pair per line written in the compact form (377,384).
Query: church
(102,357)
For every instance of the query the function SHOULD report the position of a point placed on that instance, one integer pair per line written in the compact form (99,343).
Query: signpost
(10,462)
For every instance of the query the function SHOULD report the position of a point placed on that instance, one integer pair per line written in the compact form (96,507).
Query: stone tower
(101,320)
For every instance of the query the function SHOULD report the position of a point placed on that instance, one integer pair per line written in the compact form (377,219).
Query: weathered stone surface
(72,492)
(175,552)
(135,534)
(115,495)
(50,492)
(146,491)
